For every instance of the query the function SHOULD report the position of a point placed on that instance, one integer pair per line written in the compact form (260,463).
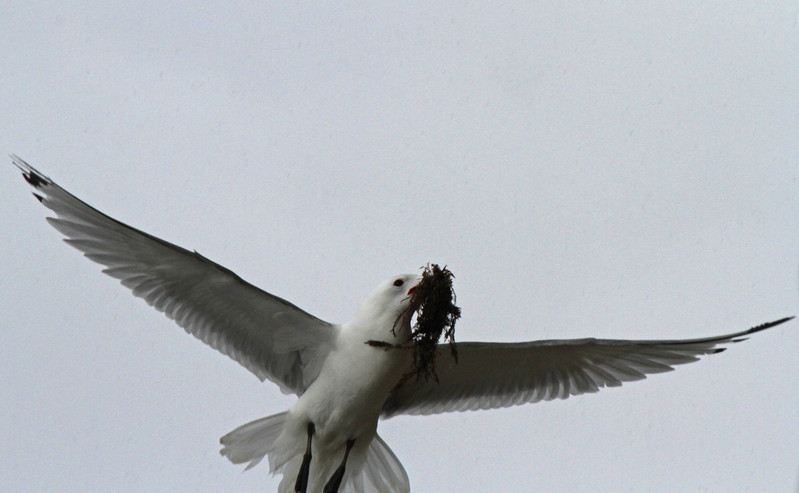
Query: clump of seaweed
(434,300)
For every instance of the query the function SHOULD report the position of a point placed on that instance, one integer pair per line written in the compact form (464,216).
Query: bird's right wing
(494,375)
(268,335)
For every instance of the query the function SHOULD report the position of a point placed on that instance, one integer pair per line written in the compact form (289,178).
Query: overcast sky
(617,171)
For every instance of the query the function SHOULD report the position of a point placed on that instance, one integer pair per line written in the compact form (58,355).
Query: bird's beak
(413,288)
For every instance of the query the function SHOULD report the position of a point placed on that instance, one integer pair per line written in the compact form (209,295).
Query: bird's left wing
(268,335)
(494,375)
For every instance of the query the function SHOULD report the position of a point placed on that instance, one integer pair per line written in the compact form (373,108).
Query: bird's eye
(399,282)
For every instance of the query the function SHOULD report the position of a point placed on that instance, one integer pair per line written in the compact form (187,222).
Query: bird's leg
(302,478)
(335,480)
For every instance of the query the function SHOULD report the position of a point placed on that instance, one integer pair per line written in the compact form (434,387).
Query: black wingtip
(35,178)
(768,325)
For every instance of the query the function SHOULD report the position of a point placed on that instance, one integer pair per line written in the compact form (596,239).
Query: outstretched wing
(268,335)
(488,376)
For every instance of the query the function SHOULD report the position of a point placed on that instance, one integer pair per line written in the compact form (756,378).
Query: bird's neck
(376,325)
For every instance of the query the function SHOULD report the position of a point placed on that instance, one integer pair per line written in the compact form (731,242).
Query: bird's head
(386,312)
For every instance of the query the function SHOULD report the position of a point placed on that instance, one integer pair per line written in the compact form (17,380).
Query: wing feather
(494,375)
(269,336)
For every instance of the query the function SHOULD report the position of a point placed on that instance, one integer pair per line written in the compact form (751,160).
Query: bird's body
(345,378)
(344,403)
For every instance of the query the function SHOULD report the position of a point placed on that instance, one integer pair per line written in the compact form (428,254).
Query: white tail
(380,471)
(251,442)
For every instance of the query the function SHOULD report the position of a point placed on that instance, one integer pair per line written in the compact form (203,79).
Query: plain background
(620,171)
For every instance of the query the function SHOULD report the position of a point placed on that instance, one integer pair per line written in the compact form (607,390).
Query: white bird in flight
(327,441)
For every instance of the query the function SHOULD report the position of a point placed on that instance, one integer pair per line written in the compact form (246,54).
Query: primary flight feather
(345,376)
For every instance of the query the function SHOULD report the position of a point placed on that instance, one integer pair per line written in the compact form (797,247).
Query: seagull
(346,376)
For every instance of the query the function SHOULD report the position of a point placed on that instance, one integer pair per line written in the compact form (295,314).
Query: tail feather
(252,442)
(382,469)
(379,470)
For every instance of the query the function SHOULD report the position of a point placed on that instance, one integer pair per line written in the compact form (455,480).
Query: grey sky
(624,171)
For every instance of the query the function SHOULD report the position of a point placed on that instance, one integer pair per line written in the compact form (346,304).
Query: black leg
(302,478)
(335,480)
